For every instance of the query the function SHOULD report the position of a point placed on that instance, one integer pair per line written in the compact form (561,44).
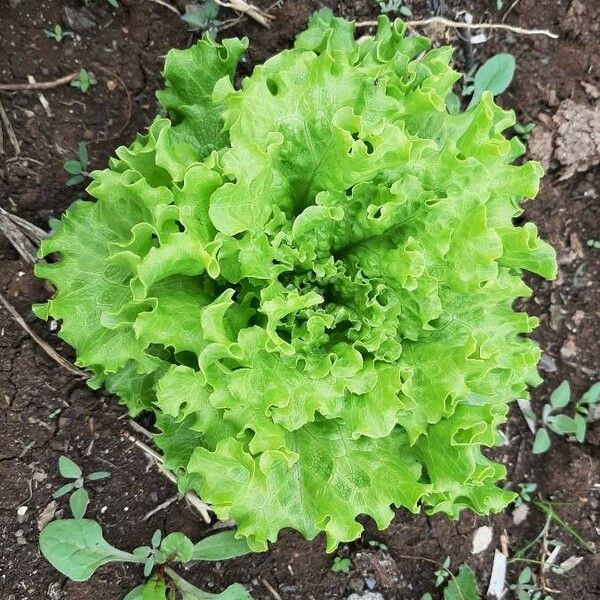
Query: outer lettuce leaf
(310,280)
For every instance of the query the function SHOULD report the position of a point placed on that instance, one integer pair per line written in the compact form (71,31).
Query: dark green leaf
(75,180)
(562,424)
(155,589)
(561,396)
(541,443)
(82,153)
(463,586)
(97,475)
(189,592)
(73,167)
(177,546)
(493,76)
(220,546)
(592,396)
(135,593)
(67,468)
(76,548)
(78,502)
(580,428)
(61,491)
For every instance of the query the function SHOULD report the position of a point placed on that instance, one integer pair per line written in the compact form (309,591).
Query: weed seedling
(395,6)
(79,499)
(562,424)
(85,80)
(202,17)
(526,587)
(77,167)
(593,244)
(76,548)
(525,491)
(57,33)
(341,565)
(524,131)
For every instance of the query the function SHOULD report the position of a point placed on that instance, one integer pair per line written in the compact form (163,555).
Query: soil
(46,412)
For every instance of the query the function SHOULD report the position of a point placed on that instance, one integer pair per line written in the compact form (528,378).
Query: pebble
(366,596)
(22,515)
(482,539)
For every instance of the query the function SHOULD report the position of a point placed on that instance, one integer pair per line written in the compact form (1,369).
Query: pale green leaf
(541,442)
(494,76)
(78,501)
(463,586)
(67,468)
(561,396)
(76,548)
(220,546)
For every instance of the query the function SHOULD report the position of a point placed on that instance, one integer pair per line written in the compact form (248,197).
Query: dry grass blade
(459,25)
(38,85)
(10,132)
(201,507)
(167,5)
(241,6)
(33,232)
(51,352)
(16,237)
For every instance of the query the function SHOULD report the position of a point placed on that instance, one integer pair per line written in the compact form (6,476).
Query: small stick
(45,104)
(252,11)
(160,507)
(16,237)
(459,25)
(271,589)
(53,354)
(38,85)
(33,232)
(167,5)
(194,501)
(10,132)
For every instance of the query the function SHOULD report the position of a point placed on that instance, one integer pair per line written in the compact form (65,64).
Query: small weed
(560,423)
(395,6)
(494,76)
(76,547)
(202,17)
(85,80)
(57,33)
(526,588)
(593,244)
(525,491)
(461,586)
(79,499)
(524,131)
(378,545)
(77,167)
(341,565)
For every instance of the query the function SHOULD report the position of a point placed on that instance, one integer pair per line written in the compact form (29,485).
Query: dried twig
(160,507)
(167,5)
(16,237)
(241,6)
(10,132)
(271,589)
(53,354)
(33,232)
(459,25)
(43,101)
(38,85)
(201,507)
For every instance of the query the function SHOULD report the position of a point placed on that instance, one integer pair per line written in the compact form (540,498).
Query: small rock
(371,583)
(79,20)
(591,90)
(366,596)
(520,513)
(578,317)
(22,515)
(482,539)
(46,515)
(569,349)
(548,363)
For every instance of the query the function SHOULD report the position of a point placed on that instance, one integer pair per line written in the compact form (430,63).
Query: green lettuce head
(310,281)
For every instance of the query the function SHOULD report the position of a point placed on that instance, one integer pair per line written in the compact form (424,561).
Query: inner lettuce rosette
(309,280)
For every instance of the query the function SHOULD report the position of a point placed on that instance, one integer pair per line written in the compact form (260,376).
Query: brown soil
(45,412)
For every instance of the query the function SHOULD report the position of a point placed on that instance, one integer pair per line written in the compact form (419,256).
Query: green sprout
(57,33)
(341,565)
(77,168)
(84,81)
(79,498)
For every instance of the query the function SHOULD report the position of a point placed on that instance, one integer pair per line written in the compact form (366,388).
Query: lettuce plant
(309,278)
